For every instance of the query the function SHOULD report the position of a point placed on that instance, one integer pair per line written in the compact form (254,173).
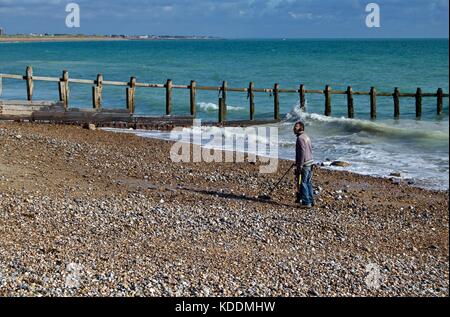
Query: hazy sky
(231,18)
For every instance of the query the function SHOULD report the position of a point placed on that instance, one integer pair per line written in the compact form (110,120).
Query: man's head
(299,128)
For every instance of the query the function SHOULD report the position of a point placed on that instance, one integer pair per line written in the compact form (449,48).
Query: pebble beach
(95,213)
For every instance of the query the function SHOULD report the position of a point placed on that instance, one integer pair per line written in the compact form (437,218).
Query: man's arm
(300,154)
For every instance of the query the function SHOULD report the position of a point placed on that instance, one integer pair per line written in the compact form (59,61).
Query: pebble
(87,226)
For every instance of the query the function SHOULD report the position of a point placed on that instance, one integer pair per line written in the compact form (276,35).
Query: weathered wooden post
(373,103)
(131,95)
(419,103)
(221,111)
(440,101)
(251,97)
(97,91)
(396,103)
(276,98)
(1,85)
(302,97)
(327,93)
(169,90)
(350,104)
(193,97)
(224,90)
(64,89)
(29,79)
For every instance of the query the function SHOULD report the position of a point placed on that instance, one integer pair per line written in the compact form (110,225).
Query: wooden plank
(29,103)
(50,79)
(82,81)
(338,92)
(361,93)
(180,86)
(115,83)
(288,91)
(209,88)
(10,76)
(309,91)
(150,85)
(263,90)
(237,89)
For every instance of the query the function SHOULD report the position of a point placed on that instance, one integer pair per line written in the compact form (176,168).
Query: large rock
(340,164)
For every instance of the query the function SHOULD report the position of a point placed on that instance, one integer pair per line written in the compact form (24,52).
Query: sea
(418,149)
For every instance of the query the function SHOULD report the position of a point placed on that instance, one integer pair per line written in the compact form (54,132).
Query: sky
(231,18)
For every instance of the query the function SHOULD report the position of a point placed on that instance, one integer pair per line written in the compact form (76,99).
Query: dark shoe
(306,207)
(298,200)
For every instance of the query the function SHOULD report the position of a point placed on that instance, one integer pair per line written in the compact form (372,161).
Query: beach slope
(93,213)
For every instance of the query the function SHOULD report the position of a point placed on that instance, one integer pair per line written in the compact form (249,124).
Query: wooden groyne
(62,112)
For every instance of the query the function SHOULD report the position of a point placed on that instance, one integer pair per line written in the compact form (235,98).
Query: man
(304,163)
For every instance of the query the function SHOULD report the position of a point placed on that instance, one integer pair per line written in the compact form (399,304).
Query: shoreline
(394,179)
(136,224)
(57,39)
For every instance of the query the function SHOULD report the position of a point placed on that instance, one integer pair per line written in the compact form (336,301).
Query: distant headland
(82,37)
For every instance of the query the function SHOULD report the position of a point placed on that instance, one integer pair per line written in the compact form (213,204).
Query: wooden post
(97,91)
(29,79)
(1,85)
(440,101)
(396,103)
(350,103)
(327,93)
(276,98)
(131,95)
(169,89)
(373,103)
(419,103)
(302,97)
(221,111)
(64,89)
(193,90)
(224,98)
(251,97)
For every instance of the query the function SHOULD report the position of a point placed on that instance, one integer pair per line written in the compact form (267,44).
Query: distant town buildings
(2,32)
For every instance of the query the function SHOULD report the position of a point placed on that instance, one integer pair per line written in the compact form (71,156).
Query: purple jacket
(304,153)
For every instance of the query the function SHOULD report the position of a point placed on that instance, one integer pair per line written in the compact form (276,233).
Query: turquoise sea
(417,149)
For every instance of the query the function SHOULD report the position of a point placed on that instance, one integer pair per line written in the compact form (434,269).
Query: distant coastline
(74,38)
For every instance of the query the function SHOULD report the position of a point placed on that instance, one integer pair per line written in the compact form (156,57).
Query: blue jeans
(306,186)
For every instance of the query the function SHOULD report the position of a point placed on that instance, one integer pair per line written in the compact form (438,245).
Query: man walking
(304,163)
